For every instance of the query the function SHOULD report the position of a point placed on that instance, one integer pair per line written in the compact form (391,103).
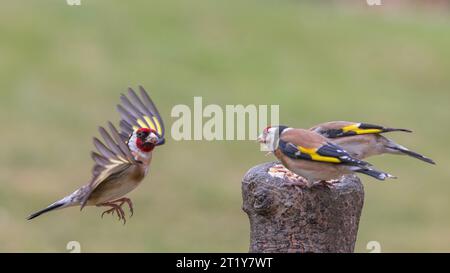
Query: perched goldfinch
(362,140)
(312,156)
(123,162)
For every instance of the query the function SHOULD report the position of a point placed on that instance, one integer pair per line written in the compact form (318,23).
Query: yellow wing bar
(151,123)
(355,128)
(312,152)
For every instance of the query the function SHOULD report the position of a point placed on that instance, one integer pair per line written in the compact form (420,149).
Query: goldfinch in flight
(362,140)
(312,156)
(123,162)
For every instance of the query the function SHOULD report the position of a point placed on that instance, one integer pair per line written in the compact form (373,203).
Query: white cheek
(272,142)
(137,153)
(132,144)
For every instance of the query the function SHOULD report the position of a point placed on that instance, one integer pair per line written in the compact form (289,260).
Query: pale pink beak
(152,138)
(261,139)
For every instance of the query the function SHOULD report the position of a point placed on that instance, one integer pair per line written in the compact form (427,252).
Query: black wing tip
(102,130)
(131,91)
(122,109)
(415,155)
(94,154)
(382,128)
(397,130)
(142,89)
(95,140)
(379,175)
(122,98)
(427,160)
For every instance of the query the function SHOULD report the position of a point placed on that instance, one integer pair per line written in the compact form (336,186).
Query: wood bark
(288,218)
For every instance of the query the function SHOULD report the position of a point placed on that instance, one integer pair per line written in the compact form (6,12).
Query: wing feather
(110,142)
(138,103)
(327,153)
(139,112)
(114,159)
(133,110)
(152,108)
(111,160)
(99,159)
(125,126)
(126,116)
(103,150)
(336,129)
(121,145)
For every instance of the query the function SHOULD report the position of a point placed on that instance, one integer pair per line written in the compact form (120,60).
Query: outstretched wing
(139,112)
(327,153)
(337,129)
(111,160)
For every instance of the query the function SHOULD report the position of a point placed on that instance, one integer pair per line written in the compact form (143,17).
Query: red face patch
(145,130)
(142,134)
(144,146)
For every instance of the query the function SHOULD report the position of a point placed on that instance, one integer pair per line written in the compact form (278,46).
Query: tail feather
(47,209)
(405,151)
(375,173)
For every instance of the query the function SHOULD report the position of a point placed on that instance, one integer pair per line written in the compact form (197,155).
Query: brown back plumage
(304,138)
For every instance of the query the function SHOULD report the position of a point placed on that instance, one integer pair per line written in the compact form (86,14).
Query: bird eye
(142,134)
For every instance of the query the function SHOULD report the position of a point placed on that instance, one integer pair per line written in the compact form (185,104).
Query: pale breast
(114,189)
(312,171)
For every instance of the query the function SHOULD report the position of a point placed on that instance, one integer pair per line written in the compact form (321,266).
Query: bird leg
(123,201)
(114,208)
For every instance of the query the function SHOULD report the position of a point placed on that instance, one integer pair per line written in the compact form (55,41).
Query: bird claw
(129,203)
(117,208)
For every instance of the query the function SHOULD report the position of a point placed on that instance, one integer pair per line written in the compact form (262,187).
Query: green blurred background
(63,67)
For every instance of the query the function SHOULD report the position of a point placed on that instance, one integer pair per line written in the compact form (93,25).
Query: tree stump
(288,218)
